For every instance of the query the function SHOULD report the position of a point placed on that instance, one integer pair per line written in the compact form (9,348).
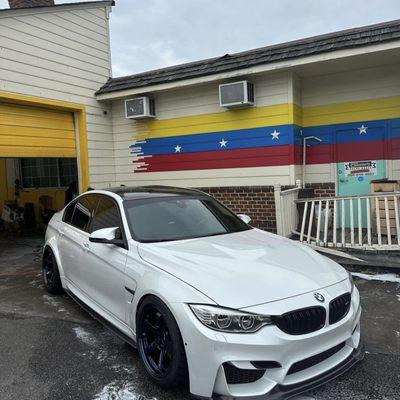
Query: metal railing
(285,209)
(365,221)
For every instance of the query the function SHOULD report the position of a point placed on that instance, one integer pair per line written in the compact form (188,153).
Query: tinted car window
(83,212)
(106,215)
(69,211)
(164,219)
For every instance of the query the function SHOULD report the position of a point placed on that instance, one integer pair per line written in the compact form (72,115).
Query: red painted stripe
(274,156)
(394,149)
(360,151)
(253,157)
(321,154)
(342,152)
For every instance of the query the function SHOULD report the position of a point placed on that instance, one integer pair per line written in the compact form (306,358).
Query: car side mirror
(107,236)
(245,218)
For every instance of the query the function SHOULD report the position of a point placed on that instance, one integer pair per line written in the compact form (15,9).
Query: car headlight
(228,320)
(351,282)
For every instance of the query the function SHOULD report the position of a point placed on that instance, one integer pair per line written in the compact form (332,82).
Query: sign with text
(360,168)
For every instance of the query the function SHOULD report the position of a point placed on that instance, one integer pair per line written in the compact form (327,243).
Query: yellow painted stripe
(24,141)
(36,131)
(16,98)
(365,110)
(18,151)
(3,183)
(44,123)
(280,114)
(297,113)
(37,112)
(68,135)
(83,151)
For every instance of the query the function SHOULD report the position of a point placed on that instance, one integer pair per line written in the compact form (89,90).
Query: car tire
(51,273)
(157,332)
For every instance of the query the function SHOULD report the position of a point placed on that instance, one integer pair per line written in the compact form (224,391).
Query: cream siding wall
(394,169)
(362,84)
(63,54)
(271,89)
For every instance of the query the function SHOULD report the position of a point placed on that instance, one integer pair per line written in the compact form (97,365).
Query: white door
(102,274)
(73,235)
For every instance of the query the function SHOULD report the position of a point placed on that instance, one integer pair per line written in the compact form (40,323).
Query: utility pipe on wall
(304,155)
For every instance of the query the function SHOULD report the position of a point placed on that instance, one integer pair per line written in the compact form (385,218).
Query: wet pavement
(52,350)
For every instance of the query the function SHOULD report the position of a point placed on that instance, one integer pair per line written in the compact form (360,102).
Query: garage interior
(38,164)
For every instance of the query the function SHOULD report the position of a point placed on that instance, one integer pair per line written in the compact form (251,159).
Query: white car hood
(246,268)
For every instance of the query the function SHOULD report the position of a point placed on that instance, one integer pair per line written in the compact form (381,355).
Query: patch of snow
(37,283)
(397,333)
(121,368)
(85,336)
(120,391)
(96,350)
(103,355)
(51,301)
(378,277)
(398,297)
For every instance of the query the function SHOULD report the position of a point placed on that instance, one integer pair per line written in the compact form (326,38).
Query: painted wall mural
(270,145)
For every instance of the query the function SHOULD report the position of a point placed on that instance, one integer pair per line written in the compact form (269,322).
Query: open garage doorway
(43,159)
(33,189)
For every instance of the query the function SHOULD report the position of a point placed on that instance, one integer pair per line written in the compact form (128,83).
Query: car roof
(152,191)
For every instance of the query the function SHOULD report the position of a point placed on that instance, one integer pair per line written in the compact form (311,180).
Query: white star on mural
(362,129)
(178,149)
(275,135)
(223,143)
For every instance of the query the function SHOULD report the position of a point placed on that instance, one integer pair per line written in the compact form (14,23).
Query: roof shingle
(357,37)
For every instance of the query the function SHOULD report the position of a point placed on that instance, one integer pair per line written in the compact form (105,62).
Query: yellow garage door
(27,131)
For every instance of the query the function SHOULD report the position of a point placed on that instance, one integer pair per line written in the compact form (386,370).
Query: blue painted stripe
(238,139)
(350,132)
(261,137)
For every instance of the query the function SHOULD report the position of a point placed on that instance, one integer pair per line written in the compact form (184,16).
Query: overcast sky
(149,34)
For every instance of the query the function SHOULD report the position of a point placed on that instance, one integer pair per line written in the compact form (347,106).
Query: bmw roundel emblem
(319,297)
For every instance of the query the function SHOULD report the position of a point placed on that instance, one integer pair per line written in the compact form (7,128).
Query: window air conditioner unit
(236,94)
(139,108)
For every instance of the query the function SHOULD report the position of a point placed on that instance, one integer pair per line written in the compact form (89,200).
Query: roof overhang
(289,64)
(9,12)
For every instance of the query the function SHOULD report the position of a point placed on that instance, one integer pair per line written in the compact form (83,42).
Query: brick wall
(322,189)
(256,201)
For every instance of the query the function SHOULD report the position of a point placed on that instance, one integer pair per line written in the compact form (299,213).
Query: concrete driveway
(51,349)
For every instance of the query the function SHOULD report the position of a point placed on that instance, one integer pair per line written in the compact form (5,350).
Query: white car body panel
(254,271)
(267,344)
(254,263)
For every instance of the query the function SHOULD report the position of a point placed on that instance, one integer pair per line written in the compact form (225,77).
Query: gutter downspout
(304,156)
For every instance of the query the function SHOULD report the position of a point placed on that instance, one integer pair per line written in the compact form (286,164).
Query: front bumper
(285,392)
(207,351)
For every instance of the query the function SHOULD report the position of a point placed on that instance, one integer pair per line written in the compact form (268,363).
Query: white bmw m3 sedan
(209,301)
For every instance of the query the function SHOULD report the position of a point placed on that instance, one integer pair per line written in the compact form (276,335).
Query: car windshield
(179,217)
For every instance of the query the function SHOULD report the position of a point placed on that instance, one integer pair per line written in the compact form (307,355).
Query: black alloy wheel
(51,275)
(157,343)
(160,344)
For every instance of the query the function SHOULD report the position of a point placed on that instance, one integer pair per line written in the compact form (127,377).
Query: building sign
(360,168)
